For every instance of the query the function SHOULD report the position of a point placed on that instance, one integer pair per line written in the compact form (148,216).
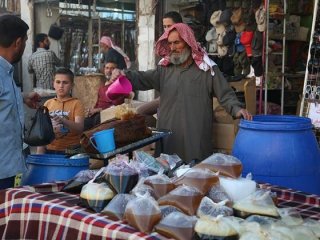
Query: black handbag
(41,131)
(55,32)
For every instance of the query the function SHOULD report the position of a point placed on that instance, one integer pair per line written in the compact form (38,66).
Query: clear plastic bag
(202,179)
(239,188)
(142,189)
(143,213)
(226,165)
(262,220)
(218,194)
(122,175)
(183,197)
(217,228)
(80,179)
(210,210)
(313,225)
(116,207)
(160,183)
(297,232)
(177,225)
(150,162)
(171,161)
(259,202)
(96,196)
(167,209)
(290,216)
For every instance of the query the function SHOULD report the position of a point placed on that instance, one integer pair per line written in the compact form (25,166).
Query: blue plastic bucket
(280,150)
(104,140)
(52,167)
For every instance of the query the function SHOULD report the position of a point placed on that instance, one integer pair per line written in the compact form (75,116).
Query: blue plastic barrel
(52,167)
(281,150)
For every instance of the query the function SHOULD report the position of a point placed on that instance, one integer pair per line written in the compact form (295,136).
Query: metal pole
(90,37)
(267,59)
(283,54)
(315,10)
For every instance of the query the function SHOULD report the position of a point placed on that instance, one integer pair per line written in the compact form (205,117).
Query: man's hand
(92,111)
(115,74)
(32,99)
(243,113)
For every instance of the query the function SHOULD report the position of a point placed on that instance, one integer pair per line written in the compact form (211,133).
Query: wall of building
(27,16)
(146,41)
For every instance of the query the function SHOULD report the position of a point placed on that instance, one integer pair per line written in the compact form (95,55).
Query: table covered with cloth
(44,212)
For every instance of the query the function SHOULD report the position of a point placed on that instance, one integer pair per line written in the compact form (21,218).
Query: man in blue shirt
(13,32)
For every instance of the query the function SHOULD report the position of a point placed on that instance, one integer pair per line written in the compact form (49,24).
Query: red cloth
(26,213)
(186,33)
(42,212)
(246,39)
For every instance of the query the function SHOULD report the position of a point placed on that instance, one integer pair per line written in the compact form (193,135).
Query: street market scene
(148,119)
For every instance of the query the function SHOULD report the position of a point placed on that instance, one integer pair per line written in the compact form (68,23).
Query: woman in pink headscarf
(187,80)
(113,53)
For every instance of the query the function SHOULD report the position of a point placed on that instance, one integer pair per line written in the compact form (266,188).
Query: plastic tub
(52,167)
(280,150)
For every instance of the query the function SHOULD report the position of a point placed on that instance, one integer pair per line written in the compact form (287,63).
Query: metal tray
(156,136)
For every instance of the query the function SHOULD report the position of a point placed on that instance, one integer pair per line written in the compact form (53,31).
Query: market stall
(43,212)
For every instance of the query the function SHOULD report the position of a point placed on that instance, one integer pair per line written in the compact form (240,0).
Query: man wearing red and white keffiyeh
(187,80)
(198,54)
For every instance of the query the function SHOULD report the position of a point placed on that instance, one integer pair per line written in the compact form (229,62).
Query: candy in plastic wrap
(259,202)
(210,210)
(81,178)
(96,196)
(177,225)
(143,213)
(122,175)
(160,183)
(183,197)
(116,207)
(202,179)
(226,165)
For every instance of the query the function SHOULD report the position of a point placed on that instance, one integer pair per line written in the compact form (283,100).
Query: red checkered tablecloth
(43,212)
(307,204)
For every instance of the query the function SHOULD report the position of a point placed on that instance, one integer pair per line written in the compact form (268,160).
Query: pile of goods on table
(209,200)
(128,127)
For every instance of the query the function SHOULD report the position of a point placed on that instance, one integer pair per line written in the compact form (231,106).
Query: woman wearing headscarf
(113,53)
(187,80)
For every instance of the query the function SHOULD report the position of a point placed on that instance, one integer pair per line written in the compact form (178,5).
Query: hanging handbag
(41,130)
(55,31)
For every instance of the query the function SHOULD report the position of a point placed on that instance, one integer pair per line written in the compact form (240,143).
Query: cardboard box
(246,85)
(107,114)
(223,136)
